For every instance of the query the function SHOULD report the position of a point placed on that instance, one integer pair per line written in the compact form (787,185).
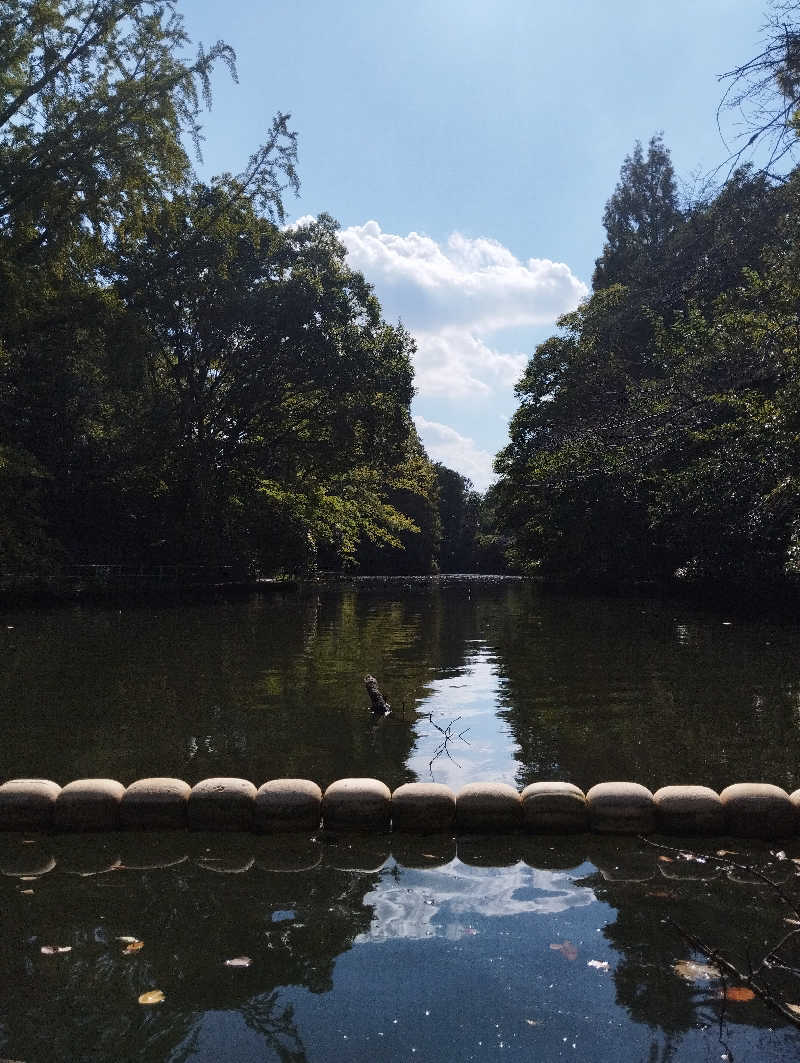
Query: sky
(467,149)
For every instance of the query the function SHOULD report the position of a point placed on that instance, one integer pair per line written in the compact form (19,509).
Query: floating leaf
(239,961)
(533,1022)
(601,965)
(662,894)
(794,1008)
(737,992)
(152,996)
(792,922)
(126,939)
(727,852)
(780,855)
(134,946)
(666,860)
(567,950)
(690,971)
(54,950)
(26,891)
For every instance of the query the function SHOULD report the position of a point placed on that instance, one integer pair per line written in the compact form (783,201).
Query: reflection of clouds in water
(424,904)
(488,751)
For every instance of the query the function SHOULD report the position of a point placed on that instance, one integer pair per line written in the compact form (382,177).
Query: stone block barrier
(299,806)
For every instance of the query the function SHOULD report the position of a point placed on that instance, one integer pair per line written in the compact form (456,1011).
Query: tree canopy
(657,431)
(182,377)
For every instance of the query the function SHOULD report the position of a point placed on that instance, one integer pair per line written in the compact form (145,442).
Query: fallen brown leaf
(567,950)
(737,992)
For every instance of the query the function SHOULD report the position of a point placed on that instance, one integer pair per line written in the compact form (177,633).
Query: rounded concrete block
(86,854)
(627,867)
(27,804)
(418,851)
(356,851)
(758,810)
(287,853)
(501,849)
(221,804)
(794,797)
(621,808)
(21,861)
(488,806)
(226,863)
(545,852)
(155,804)
(423,808)
(284,806)
(689,810)
(356,804)
(148,850)
(554,808)
(88,804)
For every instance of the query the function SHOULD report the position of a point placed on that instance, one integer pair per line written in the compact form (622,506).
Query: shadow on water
(365,948)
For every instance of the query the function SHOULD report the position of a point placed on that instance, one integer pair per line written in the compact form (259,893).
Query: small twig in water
(713,954)
(448,736)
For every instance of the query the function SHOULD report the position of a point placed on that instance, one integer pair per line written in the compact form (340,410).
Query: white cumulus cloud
(476,284)
(448,446)
(454,296)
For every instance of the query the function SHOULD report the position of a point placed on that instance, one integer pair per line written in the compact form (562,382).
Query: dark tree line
(182,377)
(659,431)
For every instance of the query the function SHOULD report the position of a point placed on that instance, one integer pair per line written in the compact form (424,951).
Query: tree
(655,433)
(639,217)
(273,378)
(765,91)
(459,513)
(95,103)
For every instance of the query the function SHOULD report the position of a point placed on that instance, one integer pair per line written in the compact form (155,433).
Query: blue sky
(467,148)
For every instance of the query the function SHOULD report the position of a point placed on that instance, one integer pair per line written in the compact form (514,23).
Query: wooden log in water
(380,706)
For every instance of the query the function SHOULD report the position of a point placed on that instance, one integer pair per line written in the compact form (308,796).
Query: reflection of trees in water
(83,1005)
(262,687)
(737,917)
(597,688)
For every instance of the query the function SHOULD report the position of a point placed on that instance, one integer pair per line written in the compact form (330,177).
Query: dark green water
(384,948)
(550,686)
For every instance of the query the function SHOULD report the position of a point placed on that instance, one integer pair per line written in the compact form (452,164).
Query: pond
(384,948)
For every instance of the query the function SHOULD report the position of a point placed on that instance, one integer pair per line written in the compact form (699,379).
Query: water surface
(384,948)
(547,686)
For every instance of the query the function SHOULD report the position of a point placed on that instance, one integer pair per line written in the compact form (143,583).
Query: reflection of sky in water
(488,751)
(423,904)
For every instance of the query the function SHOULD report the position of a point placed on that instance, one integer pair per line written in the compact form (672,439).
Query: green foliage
(409,495)
(658,432)
(181,379)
